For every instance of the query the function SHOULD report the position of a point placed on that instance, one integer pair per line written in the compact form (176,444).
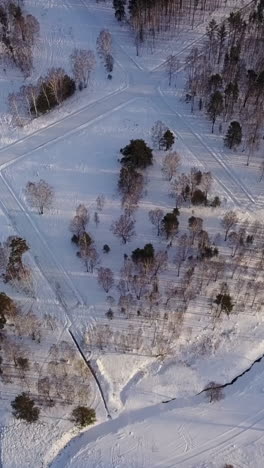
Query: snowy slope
(76,149)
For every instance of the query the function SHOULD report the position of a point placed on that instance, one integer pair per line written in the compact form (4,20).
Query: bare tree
(96,219)
(85,244)
(195,227)
(157,132)
(229,220)
(261,168)
(100,202)
(104,43)
(124,227)
(93,259)
(206,182)
(56,80)
(105,278)
(126,274)
(32,29)
(31,93)
(44,388)
(17,108)
(40,195)
(214,392)
(156,216)
(172,65)
(139,285)
(83,63)
(171,165)
(126,303)
(180,188)
(237,240)
(83,213)
(80,221)
(182,251)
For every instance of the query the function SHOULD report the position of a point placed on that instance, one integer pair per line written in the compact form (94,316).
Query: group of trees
(12,267)
(226,77)
(149,19)
(18,34)
(193,187)
(63,379)
(87,251)
(221,272)
(33,100)
(50,91)
(104,50)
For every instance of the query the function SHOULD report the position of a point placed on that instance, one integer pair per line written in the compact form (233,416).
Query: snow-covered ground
(187,433)
(76,149)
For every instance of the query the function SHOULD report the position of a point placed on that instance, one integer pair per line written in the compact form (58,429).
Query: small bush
(75,239)
(214,392)
(215,202)
(198,197)
(83,416)
(106,248)
(110,314)
(24,408)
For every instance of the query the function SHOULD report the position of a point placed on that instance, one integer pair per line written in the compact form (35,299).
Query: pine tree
(215,107)
(24,408)
(224,302)
(170,223)
(233,136)
(167,140)
(119,6)
(137,154)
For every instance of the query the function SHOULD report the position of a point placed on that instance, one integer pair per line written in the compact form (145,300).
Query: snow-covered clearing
(76,149)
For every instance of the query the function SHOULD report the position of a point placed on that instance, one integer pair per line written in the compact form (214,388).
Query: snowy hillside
(156,326)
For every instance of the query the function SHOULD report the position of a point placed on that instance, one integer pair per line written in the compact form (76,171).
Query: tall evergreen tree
(167,140)
(119,6)
(215,107)
(233,136)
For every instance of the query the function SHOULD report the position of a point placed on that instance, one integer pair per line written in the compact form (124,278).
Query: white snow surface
(76,149)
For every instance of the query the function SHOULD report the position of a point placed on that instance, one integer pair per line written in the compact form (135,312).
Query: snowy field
(76,149)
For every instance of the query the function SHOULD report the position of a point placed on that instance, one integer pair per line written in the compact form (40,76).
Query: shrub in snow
(106,248)
(170,224)
(198,197)
(83,416)
(110,314)
(214,392)
(167,140)
(24,408)
(215,202)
